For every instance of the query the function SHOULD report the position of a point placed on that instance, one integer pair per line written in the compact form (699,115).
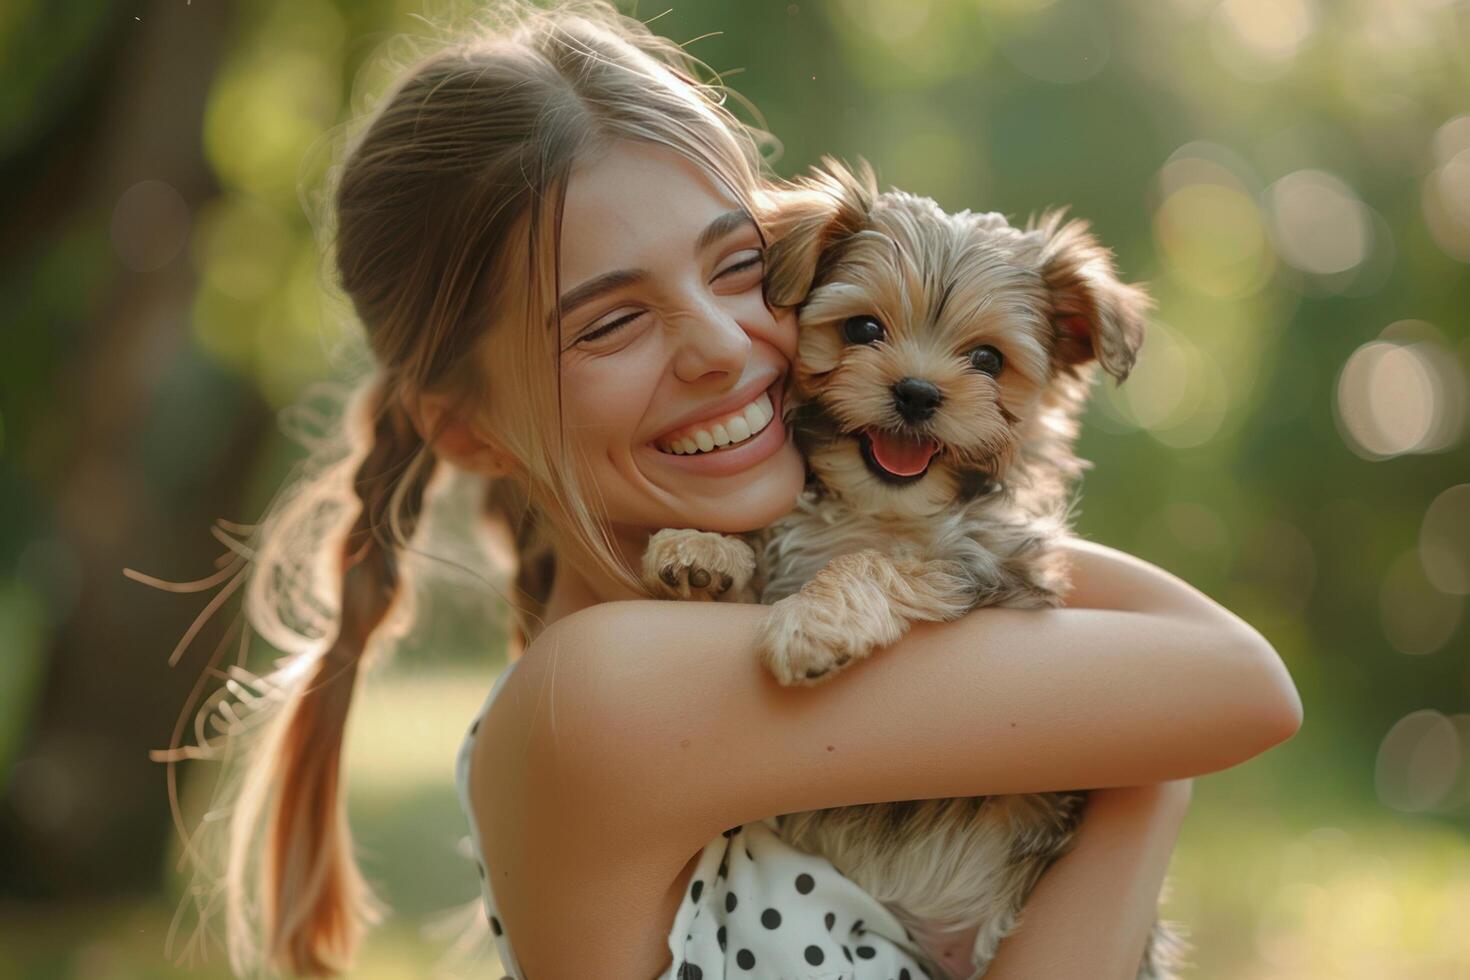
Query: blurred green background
(1291,177)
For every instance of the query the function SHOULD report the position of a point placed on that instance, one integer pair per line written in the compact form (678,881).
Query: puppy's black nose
(915,398)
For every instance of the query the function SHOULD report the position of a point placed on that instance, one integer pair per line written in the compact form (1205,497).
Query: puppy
(943,364)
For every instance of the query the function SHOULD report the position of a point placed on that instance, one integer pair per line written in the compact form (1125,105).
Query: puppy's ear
(810,215)
(1094,314)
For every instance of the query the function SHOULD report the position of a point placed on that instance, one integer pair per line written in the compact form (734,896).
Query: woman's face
(672,366)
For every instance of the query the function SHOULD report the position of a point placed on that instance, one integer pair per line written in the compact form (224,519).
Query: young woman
(554,236)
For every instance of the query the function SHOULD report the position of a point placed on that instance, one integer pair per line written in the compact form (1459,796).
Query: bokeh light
(1418,762)
(897,21)
(1208,226)
(1446,190)
(1318,223)
(1458,797)
(908,46)
(1397,395)
(1444,541)
(1176,392)
(1257,39)
(150,224)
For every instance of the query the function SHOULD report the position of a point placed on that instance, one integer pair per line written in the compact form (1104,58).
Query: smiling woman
(555,236)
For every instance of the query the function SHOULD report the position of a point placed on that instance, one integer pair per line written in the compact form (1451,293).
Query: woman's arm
(656,716)
(628,701)
(1091,914)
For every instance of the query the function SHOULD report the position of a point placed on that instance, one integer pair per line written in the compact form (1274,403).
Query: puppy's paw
(801,642)
(700,565)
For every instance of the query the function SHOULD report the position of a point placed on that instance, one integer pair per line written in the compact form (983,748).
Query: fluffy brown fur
(940,481)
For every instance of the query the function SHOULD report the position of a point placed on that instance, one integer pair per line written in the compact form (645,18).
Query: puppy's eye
(986,358)
(862,330)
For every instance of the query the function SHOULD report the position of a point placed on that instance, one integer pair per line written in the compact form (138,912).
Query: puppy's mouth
(895,457)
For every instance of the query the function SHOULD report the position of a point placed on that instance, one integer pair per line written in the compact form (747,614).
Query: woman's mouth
(731,430)
(728,443)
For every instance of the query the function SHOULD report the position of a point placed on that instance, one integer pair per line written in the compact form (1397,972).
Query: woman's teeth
(739,427)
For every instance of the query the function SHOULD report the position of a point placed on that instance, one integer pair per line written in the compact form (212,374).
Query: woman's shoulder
(580,721)
(611,661)
(564,805)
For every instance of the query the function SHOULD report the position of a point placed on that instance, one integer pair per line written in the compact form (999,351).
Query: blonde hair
(447,212)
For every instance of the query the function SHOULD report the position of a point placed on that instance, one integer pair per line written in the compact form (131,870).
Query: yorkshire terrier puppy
(943,364)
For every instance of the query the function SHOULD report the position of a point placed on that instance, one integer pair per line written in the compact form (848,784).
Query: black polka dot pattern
(756,907)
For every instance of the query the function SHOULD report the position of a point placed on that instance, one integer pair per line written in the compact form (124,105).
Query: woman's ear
(455,437)
(1094,313)
(808,219)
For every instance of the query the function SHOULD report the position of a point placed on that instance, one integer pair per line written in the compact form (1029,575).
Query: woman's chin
(748,501)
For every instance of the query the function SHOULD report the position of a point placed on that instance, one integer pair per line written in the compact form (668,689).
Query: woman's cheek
(774,325)
(778,328)
(604,398)
(784,332)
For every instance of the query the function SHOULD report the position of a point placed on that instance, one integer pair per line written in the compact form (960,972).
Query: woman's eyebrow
(722,226)
(597,286)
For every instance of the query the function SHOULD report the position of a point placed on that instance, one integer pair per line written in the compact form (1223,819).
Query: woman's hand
(1092,912)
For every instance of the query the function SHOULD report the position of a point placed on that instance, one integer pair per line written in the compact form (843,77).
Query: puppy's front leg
(856,604)
(681,563)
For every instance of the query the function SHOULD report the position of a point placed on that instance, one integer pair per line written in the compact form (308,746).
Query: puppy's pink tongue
(901,455)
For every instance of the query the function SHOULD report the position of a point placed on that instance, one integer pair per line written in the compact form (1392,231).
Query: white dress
(756,907)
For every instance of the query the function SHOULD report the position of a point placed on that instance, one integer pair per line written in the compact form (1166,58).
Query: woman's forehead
(634,203)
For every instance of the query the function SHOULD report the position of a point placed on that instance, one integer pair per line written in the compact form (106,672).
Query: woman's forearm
(1091,913)
(1139,680)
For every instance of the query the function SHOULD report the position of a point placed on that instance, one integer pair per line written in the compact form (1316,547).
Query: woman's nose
(710,341)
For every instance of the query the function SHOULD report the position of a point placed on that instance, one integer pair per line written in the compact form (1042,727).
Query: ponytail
(315,905)
(275,849)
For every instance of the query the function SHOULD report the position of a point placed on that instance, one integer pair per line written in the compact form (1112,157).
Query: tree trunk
(85,810)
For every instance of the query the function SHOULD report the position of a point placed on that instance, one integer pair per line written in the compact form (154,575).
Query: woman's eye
(986,358)
(863,329)
(753,262)
(608,328)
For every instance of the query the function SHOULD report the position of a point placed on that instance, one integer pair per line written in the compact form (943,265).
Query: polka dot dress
(756,907)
